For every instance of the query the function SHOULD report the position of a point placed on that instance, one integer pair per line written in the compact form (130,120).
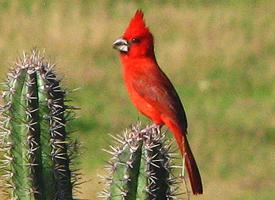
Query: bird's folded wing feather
(156,89)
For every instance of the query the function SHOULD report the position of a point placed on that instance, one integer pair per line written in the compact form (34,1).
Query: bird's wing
(157,90)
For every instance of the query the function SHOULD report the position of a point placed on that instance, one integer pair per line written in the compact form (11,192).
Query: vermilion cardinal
(152,92)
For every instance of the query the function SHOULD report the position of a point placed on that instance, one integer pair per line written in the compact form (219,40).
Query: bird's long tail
(190,163)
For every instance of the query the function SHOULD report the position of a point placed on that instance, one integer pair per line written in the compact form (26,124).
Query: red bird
(152,92)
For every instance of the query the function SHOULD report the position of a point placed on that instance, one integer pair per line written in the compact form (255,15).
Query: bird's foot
(155,127)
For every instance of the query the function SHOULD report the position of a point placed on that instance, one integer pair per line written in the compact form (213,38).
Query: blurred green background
(220,55)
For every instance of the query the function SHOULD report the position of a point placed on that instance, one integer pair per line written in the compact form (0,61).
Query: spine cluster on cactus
(141,167)
(36,155)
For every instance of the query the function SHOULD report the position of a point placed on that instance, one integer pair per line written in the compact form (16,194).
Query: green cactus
(36,158)
(142,167)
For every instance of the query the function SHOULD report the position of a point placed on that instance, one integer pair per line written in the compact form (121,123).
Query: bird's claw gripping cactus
(141,167)
(36,156)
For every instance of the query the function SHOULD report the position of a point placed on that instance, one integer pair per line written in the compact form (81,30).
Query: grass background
(219,55)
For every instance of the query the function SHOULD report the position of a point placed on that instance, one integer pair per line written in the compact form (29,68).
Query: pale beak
(121,45)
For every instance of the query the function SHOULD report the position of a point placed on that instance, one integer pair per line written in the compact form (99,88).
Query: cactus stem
(141,166)
(34,136)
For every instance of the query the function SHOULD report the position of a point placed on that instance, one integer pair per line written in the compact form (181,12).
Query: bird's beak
(121,45)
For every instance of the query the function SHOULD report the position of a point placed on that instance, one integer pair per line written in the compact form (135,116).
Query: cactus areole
(35,144)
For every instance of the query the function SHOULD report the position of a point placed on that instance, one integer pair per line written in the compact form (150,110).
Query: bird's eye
(135,40)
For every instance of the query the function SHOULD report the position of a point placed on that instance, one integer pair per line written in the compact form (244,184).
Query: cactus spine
(141,167)
(34,139)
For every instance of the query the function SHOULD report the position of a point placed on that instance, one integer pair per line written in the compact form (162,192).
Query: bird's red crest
(136,26)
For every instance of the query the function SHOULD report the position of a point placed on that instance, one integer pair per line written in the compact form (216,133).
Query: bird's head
(137,40)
